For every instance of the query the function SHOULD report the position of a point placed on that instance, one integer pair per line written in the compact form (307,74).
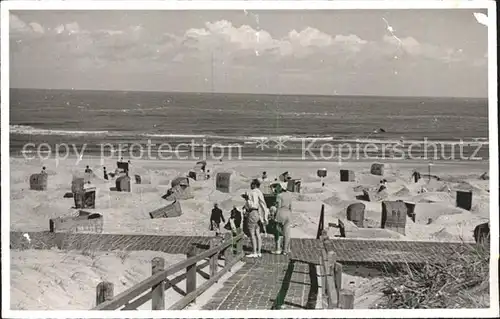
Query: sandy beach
(67,280)
(128,213)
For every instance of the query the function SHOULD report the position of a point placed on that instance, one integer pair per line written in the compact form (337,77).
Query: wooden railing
(331,270)
(134,297)
(335,296)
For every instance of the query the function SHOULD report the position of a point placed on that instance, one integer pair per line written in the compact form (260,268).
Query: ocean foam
(30,130)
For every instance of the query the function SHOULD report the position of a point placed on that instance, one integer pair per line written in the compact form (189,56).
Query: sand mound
(197,188)
(311,177)
(433,197)
(432,186)
(424,211)
(145,189)
(336,201)
(306,198)
(445,189)
(192,207)
(372,222)
(218,197)
(163,182)
(372,180)
(443,235)
(467,186)
(51,172)
(481,207)
(312,189)
(67,280)
(19,178)
(457,178)
(361,188)
(170,173)
(404,191)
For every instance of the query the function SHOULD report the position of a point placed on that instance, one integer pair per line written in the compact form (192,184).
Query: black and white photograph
(262,156)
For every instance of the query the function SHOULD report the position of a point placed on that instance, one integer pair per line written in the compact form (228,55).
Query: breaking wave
(30,130)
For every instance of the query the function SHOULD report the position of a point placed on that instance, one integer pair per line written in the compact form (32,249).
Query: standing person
(283,220)
(383,185)
(416,176)
(264,176)
(105,174)
(235,218)
(88,170)
(257,215)
(215,219)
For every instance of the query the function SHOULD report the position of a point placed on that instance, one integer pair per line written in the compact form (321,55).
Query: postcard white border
(249,5)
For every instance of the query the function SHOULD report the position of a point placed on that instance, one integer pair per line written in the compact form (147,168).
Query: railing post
(158,291)
(321,224)
(337,277)
(104,292)
(228,252)
(239,243)
(191,272)
(346,299)
(213,263)
(330,267)
(324,269)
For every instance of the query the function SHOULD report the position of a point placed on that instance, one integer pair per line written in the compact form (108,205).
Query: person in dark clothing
(264,176)
(416,176)
(88,170)
(383,185)
(215,219)
(236,216)
(105,174)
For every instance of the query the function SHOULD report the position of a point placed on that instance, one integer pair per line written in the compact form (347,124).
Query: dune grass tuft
(461,282)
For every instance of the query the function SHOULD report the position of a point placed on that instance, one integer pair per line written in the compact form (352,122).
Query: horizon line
(248,93)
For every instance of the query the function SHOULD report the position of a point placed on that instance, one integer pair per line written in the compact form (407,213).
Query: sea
(179,125)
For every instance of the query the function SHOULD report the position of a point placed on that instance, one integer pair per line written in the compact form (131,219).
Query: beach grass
(461,282)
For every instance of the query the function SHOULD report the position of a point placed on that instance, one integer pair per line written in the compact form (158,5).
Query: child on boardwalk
(215,219)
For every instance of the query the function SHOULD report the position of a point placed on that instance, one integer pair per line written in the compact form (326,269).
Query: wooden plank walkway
(270,282)
(303,249)
(390,251)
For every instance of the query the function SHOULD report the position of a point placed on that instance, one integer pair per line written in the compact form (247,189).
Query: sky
(345,52)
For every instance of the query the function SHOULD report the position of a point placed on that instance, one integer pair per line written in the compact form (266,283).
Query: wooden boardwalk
(270,282)
(303,249)
(266,284)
